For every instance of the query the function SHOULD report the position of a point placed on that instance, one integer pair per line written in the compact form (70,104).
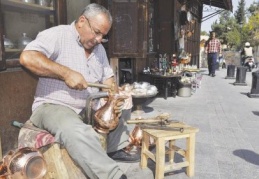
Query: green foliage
(252,28)
(240,12)
(234,31)
(204,33)
(233,38)
(253,8)
(227,30)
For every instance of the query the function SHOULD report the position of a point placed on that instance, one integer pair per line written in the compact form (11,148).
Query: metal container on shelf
(45,3)
(8,44)
(29,1)
(23,41)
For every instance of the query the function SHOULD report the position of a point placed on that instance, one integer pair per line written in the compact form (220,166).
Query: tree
(233,39)
(253,8)
(204,33)
(234,31)
(227,30)
(252,29)
(240,13)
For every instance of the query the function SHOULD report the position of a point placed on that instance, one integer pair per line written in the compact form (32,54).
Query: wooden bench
(59,163)
(161,137)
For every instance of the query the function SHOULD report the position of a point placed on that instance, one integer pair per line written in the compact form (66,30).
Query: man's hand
(75,80)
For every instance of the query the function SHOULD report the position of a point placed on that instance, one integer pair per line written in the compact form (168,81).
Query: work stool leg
(190,154)
(144,148)
(171,151)
(160,158)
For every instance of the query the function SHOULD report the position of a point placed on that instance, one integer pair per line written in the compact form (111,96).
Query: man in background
(213,49)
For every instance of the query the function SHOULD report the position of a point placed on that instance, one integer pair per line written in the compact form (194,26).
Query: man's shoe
(213,75)
(123,156)
(123,177)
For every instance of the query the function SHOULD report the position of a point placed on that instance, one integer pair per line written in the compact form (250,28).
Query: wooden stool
(160,137)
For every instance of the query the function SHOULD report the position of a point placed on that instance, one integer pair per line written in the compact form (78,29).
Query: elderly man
(66,58)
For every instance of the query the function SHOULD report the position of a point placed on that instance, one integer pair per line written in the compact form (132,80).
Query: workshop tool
(159,118)
(111,87)
(161,127)
(151,120)
(161,122)
(98,85)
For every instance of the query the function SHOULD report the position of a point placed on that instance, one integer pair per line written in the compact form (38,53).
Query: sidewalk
(227,145)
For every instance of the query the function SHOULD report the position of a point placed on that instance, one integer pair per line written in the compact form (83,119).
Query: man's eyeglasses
(96,34)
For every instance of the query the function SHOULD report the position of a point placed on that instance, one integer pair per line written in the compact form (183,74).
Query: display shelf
(54,15)
(27,6)
(13,50)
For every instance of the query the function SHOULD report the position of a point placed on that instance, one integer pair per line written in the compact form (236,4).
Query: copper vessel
(24,163)
(136,136)
(106,119)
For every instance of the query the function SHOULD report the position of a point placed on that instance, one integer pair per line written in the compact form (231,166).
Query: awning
(223,4)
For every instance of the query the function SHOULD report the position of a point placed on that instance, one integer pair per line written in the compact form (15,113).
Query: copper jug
(105,118)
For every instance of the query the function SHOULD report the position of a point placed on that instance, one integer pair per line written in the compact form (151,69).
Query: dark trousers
(212,59)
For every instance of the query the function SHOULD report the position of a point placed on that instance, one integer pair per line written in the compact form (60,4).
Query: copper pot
(136,136)
(25,163)
(105,118)
(3,171)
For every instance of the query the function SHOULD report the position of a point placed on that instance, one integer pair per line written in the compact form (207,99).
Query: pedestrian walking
(213,49)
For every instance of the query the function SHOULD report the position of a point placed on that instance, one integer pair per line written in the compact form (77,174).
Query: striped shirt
(213,46)
(61,44)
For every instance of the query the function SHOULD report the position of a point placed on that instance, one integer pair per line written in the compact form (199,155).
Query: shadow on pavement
(177,158)
(247,155)
(243,93)
(256,113)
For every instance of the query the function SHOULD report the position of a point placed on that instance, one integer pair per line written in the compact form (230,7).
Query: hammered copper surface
(105,118)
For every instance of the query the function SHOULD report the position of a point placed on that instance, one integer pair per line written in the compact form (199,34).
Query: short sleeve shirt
(213,46)
(62,45)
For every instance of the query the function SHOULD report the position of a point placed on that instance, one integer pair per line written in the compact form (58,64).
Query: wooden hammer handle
(97,85)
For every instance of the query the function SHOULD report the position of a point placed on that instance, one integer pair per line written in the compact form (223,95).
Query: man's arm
(42,66)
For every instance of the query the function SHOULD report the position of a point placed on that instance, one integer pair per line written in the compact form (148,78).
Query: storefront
(143,31)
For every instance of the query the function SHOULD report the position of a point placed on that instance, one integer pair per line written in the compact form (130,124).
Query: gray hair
(94,9)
